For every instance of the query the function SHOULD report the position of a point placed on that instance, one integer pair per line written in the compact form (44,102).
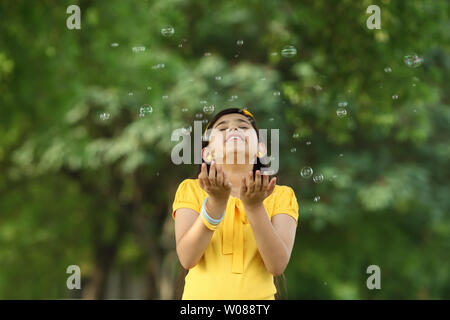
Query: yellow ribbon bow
(233,234)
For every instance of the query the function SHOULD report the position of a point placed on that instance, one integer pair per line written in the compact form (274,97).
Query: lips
(235,136)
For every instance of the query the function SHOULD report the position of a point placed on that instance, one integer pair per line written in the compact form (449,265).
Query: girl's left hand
(254,191)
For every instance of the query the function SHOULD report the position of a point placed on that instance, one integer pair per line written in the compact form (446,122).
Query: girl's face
(233,140)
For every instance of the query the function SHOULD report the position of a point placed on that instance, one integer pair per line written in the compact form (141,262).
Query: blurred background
(86,118)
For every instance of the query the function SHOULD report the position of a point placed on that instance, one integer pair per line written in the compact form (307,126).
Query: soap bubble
(145,110)
(208,109)
(289,51)
(413,60)
(387,70)
(138,49)
(341,112)
(318,178)
(306,172)
(167,31)
(104,116)
(240,42)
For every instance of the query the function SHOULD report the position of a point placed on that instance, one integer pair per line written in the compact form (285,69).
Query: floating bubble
(343,104)
(114,45)
(138,49)
(293,150)
(208,109)
(240,42)
(395,97)
(104,116)
(413,60)
(316,198)
(277,93)
(317,87)
(306,172)
(167,31)
(289,51)
(387,70)
(159,66)
(341,112)
(318,178)
(146,109)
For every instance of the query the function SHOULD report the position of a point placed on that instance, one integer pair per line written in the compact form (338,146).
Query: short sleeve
(286,202)
(187,196)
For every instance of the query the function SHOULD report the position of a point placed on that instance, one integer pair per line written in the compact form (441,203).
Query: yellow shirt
(232,267)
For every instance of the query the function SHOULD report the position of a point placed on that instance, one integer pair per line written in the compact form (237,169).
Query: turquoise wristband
(208,218)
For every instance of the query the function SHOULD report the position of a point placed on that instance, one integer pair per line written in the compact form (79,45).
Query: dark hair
(257,166)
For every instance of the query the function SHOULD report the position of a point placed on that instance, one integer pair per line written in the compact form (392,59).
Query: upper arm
(184,219)
(286,227)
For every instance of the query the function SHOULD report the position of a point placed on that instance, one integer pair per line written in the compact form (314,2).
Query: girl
(234,228)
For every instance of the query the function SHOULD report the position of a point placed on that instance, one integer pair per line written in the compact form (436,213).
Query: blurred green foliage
(76,189)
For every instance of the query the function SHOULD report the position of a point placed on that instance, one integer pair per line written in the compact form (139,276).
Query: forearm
(271,247)
(194,242)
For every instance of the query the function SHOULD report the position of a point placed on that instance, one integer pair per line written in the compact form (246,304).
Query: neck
(235,173)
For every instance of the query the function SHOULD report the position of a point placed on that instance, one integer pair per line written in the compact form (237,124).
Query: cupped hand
(216,183)
(255,190)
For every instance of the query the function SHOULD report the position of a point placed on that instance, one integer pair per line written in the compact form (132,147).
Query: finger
(243,186)
(265,182)
(204,175)
(219,176)
(212,173)
(226,183)
(250,182)
(271,185)
(258,180)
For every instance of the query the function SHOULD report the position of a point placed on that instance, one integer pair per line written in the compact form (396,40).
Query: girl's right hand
(217,186)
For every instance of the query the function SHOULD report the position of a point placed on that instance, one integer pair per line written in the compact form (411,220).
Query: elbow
(186,263)
(277,272)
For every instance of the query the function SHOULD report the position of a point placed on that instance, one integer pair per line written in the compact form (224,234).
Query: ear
(262,150)
(206,155)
